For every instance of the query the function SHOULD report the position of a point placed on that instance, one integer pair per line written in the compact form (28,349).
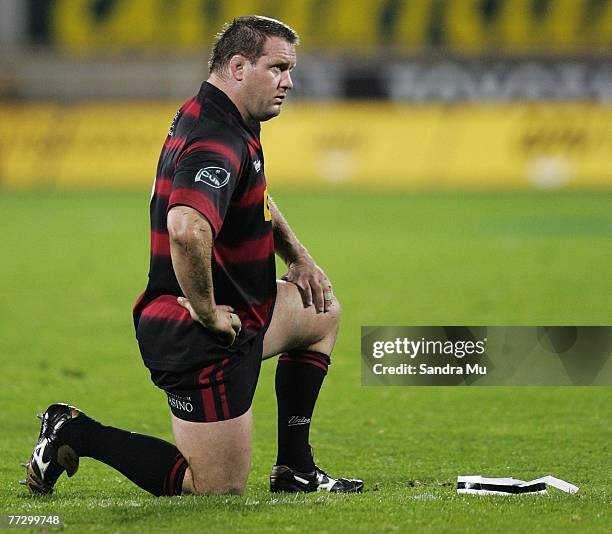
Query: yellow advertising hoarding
(466,26)
(372,146)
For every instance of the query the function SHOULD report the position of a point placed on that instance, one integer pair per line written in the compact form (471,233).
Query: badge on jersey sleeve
(213,176)
(267,214)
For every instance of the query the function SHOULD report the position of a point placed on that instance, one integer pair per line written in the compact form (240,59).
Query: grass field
(73,263)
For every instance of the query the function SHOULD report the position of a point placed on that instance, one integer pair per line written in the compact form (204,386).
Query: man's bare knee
(326,331)
(330,320)
(201,486)
(202,481)
(334,311)
(218,454)
(295,327)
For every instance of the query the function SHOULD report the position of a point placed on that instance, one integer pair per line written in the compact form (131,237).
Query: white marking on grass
(107,503)
(425,497)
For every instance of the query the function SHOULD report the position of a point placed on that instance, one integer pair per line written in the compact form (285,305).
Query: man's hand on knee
(314,286)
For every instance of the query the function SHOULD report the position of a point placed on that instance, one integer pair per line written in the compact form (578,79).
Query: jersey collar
(220,99)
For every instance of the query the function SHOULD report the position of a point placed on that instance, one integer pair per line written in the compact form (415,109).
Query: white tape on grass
(479,485)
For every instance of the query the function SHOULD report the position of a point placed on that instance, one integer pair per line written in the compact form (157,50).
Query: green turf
(73,263)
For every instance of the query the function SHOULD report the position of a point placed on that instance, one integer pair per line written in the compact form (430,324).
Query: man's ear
(236,67)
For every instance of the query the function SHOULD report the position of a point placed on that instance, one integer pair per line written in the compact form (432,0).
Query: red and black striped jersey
(212,161)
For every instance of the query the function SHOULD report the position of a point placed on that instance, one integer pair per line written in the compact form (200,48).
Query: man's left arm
(312,282)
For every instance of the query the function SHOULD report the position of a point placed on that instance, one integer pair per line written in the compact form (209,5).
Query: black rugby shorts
(203,380)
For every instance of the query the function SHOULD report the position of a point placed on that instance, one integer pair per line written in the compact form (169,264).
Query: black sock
(153,464)
(299,375)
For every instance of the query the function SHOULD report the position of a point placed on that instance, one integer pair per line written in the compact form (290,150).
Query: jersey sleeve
(206,175)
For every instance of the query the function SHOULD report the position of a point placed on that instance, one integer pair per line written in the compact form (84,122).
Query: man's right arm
(190,249)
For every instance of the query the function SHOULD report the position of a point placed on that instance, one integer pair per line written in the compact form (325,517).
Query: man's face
(267,81)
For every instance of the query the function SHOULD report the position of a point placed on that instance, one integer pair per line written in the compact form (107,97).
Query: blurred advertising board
(464,26)
(375,146)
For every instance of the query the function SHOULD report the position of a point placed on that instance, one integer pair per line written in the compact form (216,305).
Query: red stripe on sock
(319,359)
(179,476)
(305,356)
(294,359)
(316,355)
(170,478)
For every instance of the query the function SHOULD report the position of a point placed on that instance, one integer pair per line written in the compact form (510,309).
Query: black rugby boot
(285,479)
(51,457)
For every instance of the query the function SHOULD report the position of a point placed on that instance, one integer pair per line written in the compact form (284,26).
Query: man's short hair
(247,36)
